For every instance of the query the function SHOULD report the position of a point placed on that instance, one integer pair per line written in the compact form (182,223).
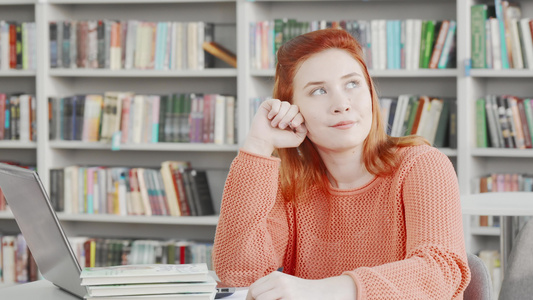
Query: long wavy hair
(302,167)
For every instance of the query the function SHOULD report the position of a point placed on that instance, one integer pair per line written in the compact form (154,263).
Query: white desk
(41,289)
(505,205)
(45,290)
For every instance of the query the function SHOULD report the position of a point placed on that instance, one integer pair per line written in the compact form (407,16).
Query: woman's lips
(344,125)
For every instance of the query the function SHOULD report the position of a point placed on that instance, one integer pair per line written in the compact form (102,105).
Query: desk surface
(41,289)
(44,289)
(498,204)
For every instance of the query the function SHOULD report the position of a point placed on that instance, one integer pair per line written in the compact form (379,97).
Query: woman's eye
(319,91)
(351,84)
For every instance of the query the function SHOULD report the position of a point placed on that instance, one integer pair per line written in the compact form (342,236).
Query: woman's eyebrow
(351,74)
(343,77)
(313,83)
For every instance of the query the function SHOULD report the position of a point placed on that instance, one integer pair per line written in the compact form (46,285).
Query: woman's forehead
(327,64)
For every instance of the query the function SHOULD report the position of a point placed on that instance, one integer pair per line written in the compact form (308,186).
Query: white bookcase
(232,19)
(474,162)
(12,81)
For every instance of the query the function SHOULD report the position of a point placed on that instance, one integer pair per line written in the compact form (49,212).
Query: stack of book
(151,281)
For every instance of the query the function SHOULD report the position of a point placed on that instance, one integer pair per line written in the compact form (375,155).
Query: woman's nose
(341,103)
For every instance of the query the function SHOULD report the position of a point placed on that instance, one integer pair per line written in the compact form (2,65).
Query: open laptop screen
(40,227)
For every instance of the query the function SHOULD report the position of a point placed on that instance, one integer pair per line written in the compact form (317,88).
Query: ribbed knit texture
(398,237)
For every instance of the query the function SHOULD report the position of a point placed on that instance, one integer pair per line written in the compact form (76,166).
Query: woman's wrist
(257,146)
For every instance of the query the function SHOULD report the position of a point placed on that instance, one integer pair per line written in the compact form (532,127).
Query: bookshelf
(232,19)
(475,162)
(13,81)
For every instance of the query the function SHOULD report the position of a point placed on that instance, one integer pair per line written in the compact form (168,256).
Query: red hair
(302,167)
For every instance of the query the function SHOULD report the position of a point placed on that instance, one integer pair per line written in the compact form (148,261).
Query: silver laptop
(29,202)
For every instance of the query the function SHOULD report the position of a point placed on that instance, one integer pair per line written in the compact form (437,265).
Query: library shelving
(472,84)
(232,20)
(18,81)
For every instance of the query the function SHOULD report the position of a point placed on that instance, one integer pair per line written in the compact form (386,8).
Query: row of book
(103,252)
(130,44)
(128,118)
(500,182)
(501,37)
(16,261)
(504,122)
(18,117)
(387,44)
(176,189)
(18,44)
(431,117)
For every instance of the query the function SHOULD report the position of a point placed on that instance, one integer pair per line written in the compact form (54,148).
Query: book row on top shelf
(387,44)
(501,36)
(151,35)
(132,44)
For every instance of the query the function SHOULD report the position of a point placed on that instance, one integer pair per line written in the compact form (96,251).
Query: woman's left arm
(435,264)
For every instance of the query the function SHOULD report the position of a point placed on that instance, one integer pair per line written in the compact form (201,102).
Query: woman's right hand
(277,124)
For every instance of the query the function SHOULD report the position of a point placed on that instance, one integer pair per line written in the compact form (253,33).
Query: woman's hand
(278,285)
(277,124)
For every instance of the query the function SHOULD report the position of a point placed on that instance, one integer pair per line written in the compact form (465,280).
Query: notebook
(29,202)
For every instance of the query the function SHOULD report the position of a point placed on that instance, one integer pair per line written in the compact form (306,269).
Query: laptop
(29,202)
(38,222)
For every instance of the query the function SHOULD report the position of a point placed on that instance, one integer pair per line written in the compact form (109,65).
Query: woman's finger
(289,116)
(284,108)
(296,121)
(260,286)
(273,106)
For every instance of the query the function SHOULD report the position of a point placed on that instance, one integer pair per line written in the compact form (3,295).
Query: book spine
(492,123)
(448,47)
(501,37)
(517,123)
(518,62)
(504,124)
(439,44)
(53,43)
(497,62)
(529,116)
(523,34)
(453,125)
(428,49)
(156,101)
(524,123)
(481,124)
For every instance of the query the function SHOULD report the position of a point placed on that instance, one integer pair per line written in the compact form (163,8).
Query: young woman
(344,211)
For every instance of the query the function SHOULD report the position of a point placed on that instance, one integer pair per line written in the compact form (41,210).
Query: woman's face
(334,99)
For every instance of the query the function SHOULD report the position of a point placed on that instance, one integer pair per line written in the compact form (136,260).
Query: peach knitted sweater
(398,237)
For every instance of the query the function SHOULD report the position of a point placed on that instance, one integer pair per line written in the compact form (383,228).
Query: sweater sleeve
(435,265)
(252,231)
